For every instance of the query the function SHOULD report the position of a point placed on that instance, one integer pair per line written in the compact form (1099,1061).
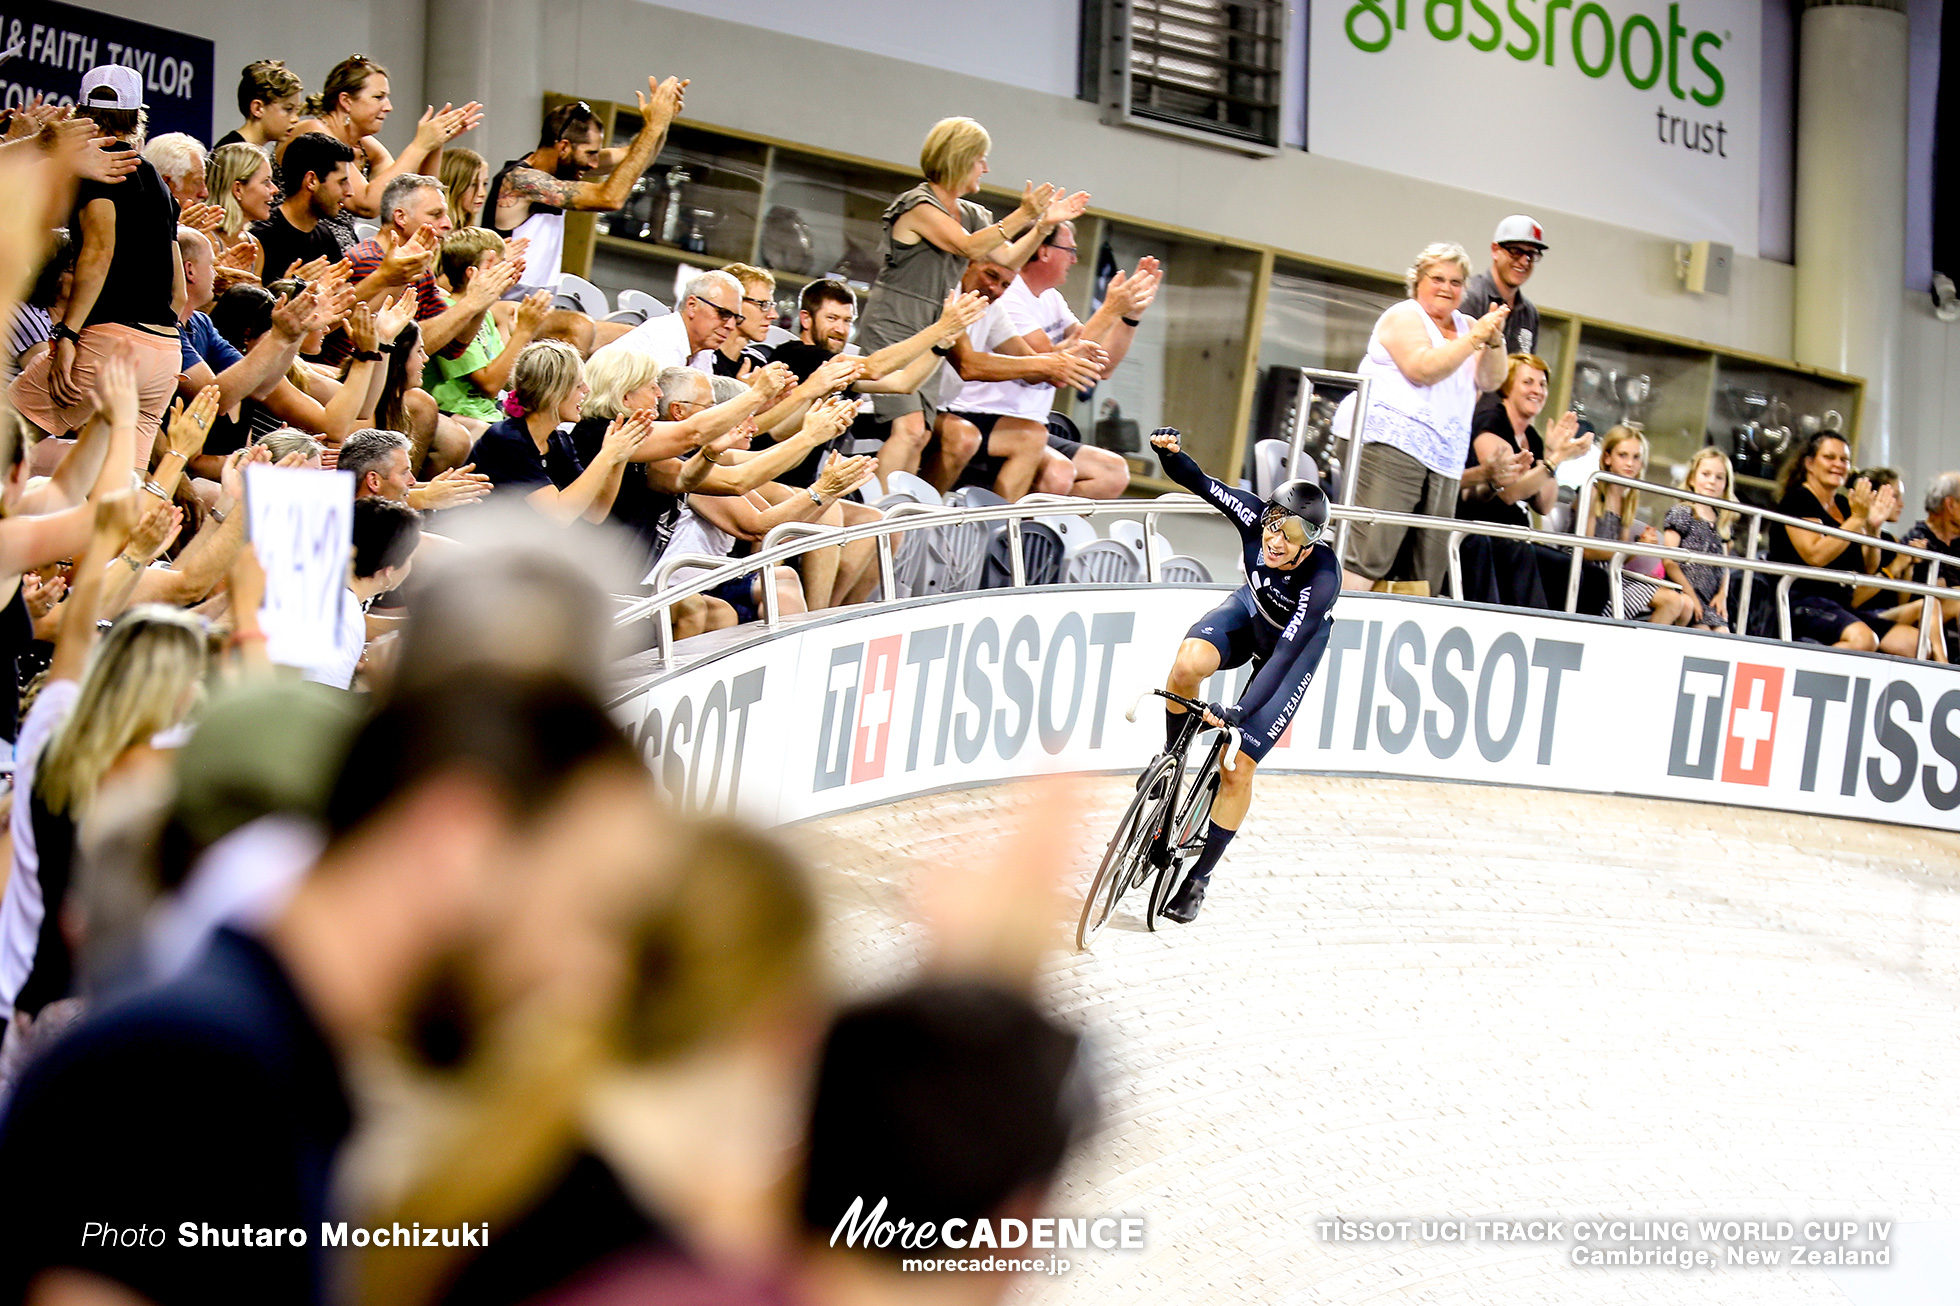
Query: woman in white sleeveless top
(1428,363)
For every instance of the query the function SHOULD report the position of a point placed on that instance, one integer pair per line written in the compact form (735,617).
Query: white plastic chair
(1184,570)
(1268,467)
(913,484)
(776,336)
(584,296)
(960,549)
(1077,533)
(1104,562)
(630,316)
(1129,533)
(366,230)
(644,303)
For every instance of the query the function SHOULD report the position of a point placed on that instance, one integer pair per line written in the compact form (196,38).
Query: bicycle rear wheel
(1128,849)
(1187,834)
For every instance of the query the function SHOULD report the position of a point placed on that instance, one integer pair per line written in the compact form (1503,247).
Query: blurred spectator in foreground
(530,196)
(1517,247)
(1428,362)
(449,802)
(1509,467)
(270,99)
(128,283)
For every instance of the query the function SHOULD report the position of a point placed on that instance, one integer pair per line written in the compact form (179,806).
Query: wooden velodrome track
(1412,1000)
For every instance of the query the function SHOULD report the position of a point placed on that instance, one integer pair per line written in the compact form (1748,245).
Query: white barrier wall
(869,709)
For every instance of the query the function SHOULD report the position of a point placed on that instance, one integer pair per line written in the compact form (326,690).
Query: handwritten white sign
(301,523)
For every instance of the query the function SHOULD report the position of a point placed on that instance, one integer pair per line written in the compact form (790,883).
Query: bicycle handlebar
(1191,705)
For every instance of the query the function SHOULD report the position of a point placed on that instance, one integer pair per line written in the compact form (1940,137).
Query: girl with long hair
(1703,599)
(1612,516)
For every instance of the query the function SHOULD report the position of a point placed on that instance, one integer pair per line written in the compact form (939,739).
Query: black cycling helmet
(1302,499)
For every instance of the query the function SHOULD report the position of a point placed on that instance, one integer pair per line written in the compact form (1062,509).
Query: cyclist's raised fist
(1166,438)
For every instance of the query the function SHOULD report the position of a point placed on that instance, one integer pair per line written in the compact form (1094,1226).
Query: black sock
(1215,840)
(1174,723)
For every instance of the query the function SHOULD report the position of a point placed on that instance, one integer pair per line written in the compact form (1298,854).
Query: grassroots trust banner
(864,709)
(1646,115)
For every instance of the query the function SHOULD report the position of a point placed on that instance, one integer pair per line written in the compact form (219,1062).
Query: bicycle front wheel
(1128,849)
(1187,834)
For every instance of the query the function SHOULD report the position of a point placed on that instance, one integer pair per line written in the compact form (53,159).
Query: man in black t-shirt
(1516,248)
(216,1102)
(314,175)
(127,285)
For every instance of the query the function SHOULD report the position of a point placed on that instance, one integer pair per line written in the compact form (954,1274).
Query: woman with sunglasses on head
(1278,620)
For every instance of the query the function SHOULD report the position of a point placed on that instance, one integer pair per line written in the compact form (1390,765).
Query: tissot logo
(1871,727)
(960,691)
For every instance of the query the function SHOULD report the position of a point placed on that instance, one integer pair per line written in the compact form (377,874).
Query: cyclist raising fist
(1278,621)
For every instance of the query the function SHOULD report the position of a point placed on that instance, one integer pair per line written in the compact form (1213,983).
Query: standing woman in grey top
(930,234)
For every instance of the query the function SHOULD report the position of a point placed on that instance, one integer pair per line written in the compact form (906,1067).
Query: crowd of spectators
(233,883)
(1451,433)
(436,956)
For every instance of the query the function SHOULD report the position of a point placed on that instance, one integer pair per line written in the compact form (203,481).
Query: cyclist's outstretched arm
(1244,509)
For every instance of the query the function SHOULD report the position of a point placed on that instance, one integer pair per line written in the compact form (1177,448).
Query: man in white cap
(128,284)
(1517,247)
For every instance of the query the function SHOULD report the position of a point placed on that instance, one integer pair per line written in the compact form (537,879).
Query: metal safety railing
(1756,517)
(793,538)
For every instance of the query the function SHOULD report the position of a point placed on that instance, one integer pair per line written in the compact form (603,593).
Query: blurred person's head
(569,144)
(684,391)
(465,253)
(622,381)
(378,461)
(240,180)
(710,306)
(1880,477)
(447,799)
(522,595)
(758,301)
(270,94)
(288,440)
(465,186)
(826,314)
(988,277)
(1048,267)
(954,155)
(179,159)
(385,536)
(200,270)
(413,203)
(1525,385)
(142,679)
(549,379)
(949,1099)
(570,326)
(314,174)
(723,388)
(356,90)
(1435,280)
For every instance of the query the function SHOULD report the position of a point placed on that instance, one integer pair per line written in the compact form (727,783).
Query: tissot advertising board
(868,709)
(1634,112)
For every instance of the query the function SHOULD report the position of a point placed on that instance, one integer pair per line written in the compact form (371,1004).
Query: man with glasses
(530,195)
(1517,247)
(745,349)
(692,335)
(1030,316)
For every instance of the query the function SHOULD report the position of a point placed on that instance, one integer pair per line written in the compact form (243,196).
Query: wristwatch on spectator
(62,331)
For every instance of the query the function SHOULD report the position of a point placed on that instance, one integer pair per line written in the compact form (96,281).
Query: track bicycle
(1163,829)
